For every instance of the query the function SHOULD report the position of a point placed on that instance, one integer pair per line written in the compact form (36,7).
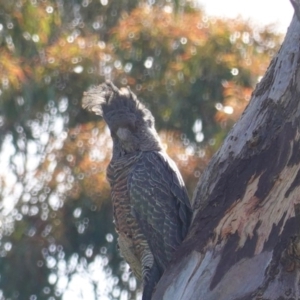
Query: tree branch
(244,236)
(296,5)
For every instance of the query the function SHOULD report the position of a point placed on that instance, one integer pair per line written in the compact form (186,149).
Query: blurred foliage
(195,73)
(183,64)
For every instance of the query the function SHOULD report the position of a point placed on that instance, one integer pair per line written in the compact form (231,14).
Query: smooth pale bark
(244,242)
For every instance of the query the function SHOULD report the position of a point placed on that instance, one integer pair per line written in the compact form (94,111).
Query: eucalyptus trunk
(244,241)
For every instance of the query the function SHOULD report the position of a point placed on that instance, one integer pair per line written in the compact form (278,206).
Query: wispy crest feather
(107,100)
(95,97)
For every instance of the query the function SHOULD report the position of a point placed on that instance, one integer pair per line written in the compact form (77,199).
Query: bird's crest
(107,98)
(131,124)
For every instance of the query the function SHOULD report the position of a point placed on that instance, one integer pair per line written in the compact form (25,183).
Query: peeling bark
(244,242)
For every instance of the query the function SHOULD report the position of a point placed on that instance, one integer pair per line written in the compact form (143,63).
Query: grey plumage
(152,210)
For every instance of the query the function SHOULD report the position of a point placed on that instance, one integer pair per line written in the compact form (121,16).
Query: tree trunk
(244,242)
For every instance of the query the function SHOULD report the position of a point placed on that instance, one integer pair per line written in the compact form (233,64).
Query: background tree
(56,222)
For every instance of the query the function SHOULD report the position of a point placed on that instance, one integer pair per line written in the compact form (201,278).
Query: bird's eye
(123,133)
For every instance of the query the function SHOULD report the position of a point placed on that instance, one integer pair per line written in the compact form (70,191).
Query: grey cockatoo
(152,211)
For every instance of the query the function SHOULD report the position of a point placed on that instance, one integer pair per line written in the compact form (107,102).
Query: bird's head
(131,124)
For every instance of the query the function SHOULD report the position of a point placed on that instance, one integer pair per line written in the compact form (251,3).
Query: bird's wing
(160,204)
